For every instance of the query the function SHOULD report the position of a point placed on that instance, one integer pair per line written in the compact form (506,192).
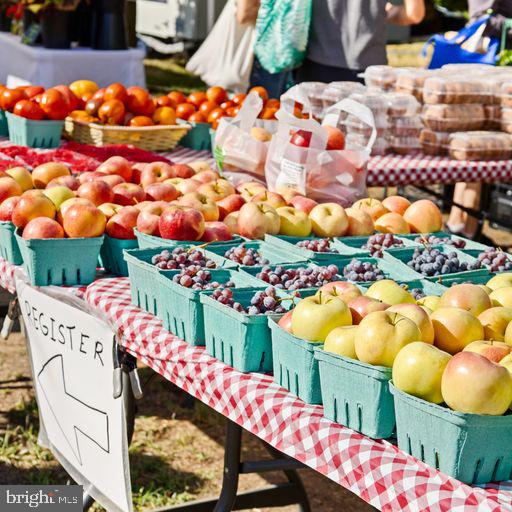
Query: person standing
(347,36)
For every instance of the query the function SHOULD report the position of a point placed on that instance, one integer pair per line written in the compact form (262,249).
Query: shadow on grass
(164,75)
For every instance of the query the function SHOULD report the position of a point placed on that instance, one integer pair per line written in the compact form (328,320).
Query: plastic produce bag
(226,56)
(239,155)
(323,175)
(282,31)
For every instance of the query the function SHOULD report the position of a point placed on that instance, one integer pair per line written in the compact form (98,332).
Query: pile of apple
(454,349)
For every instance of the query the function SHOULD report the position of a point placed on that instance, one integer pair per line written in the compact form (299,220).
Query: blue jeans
(275,83)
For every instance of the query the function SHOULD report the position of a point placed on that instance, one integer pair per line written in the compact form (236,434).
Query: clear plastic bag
(239,155)
(324,175)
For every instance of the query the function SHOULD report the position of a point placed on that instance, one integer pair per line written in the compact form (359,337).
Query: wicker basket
(149,138)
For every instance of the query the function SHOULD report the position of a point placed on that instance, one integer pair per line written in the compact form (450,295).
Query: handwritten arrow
(69,410)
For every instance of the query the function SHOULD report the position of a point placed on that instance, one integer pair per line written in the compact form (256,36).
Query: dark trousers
(275,83)
(314,72)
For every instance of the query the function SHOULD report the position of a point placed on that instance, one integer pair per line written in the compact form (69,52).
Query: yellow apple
(329,220)
(293,222)
(389,292)
(419,316)
(507,362)
(22,176)
(503,280)
(495,351)
(341,341)
(466,296)
(430,301)
(58,195)
(495,321)
(502,297)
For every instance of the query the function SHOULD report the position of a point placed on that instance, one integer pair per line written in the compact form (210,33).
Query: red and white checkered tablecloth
(7,276)
(376,471)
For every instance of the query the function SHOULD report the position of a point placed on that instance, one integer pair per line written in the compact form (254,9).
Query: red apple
(257,219)
(335,138)
(83,221)
(181,223)
(216,232)
(9,187)
(187,185)
(117,165)
(98,192)
(42,227)
(71,182)
(44,173)
(231,221)
(137,172)
(206,176)
(161,192)
(7,207)
(110,209)
(362,306)
(156,172)
(271,198)
(304,204)
(90,176)
(149,217)
(342,289)
(250,189)
(121,224)
(217,189)
(301,138)
(397,204)
(111,179)
(229,204)
(31,206)
(182,171)
(200,202)
(286,321)
(423,216)
(128,194)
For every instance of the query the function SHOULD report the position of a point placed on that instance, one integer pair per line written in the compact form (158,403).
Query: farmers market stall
(47,67)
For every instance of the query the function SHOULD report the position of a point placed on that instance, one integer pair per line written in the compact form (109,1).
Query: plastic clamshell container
(505,93)
(472,448)
(402,105)
(295,365)
(434,143)
(198,138)
(405,145)
(149,241)
(452,89)
(356,394)
(381,77)
(411,81)
(4,129)
(376,102)
(34,134)
(60,261)
(240,340)
(480,145)
(405,255)
(181,309)
(406,126)
(275,254)
(336,91)
(112,257)
(9,249)
(453,118)
(356,141)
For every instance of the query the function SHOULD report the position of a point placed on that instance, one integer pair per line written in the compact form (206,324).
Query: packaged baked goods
(382,78)
(506,120)
(449,118)
(405,126)
(411,81)
(471,68)
(480,145)
(353,124)
(336,91)
(356,141)
(506,94)
(434,143)
(402,104)
(452,89)
(492,117)
(405,145)
(376,102)
(314,91)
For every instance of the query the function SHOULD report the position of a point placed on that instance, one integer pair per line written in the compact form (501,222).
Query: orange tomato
(33,90)
(81,87)
(164,115)
(177,97)
(215,123)
(232,111)
(29,110)
(10,97)
(227,104)
(54,104)
(238,99)
(206,107)
(139,102)
(115,91)
(83,116)
(196,98)
(215,114)
(92,106)
(197,117)
(273,103)
(185,110)
(164,101)
(268,113)
(261,91)
(71,99)
(99,95)
(217,94)
(111,112)
(141,121)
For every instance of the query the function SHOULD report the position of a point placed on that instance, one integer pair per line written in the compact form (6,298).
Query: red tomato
(177,97)
(238,99)
(115,91)
(139,102)
(217,94)
(197,117)
(215,114)
(10,97)
(71,99)
(141,121)
(206,107)
(227,104)
(196,98)
(185,110)
(29,110)
(99,95)
(232,112)
(261,91)
(273,103)
(54,104)
(111,112)
(33,90)
(165,101)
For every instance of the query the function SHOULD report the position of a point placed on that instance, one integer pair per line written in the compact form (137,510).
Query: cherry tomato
(54,104)
(29,110)
(196,98)
(197,117)
(217,94)
(185,110)
(177,97)
(111,112)
(206,107)
(115,91)
(141,121)
(215,114)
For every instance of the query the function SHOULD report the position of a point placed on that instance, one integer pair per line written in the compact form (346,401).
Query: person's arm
(411,12)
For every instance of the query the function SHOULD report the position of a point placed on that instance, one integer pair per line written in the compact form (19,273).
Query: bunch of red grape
(317,245)
(244,256)
(432,262)
(440,240)
(362,271)
(198,278)
(495,260)
(378,243)
(298,278)
(262,302)
(181,258)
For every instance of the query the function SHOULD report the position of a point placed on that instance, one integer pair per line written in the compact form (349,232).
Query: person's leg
(314,72)
(471,200)
(457,219)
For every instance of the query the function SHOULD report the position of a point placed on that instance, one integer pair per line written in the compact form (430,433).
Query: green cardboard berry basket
(427,287)
(34,134)
(240,340)
(9,249)
(356,394)
(274,254)
(144,284)
(111,255)
(4,129)
(472,448)
(60,261)
(149,241)
(198,137)
(404,255)
(295,366)
(471,247)
(449,281)
(181,308)
(352,245)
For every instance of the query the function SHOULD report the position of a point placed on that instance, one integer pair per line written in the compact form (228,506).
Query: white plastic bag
(225,58)
(323,175)
(239,156)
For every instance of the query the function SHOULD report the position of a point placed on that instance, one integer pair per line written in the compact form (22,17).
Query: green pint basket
(295,366)
(472,448)
(356,394)
(60,261)
(198,137)
(111,255)
(34,134)
(4,129)
(151,241)
(9,249)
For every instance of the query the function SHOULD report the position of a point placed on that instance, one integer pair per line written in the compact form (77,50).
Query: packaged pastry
(449,118)
(506,120)
(405,145)
(401,104)
(434,143)
(382,78)
(506,94)
(353,124)
(406,126)
(411,81)
(314,91)
(376,102)
(357,141)
(471,68)
(495,84)
(450,89)
(480,146)
(337,91)
(492,117)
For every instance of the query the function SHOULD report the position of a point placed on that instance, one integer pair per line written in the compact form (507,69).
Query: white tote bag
(226,56)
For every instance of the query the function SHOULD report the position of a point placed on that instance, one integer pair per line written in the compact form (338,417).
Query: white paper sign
(81,422)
